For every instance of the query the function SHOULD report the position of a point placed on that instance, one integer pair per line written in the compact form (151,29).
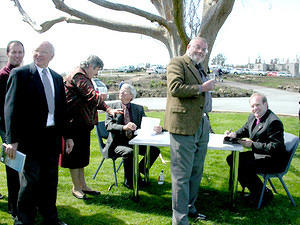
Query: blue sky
(266,28)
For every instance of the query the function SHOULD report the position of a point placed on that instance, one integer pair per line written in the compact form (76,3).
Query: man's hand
(157,129)
(246,142)
(69,145)
(129,126)
(10,149)
(208,85)
(228,133)
(113,112)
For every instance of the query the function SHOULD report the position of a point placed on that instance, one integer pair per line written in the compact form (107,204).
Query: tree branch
(178,19)
(132,10)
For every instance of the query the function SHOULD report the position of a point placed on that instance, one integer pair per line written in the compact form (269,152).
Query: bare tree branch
(133,10)
(157,33)
(179,20)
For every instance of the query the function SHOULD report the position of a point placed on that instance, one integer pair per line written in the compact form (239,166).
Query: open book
(147,126)
(17,163)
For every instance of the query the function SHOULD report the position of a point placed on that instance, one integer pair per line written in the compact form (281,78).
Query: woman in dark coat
(82,103)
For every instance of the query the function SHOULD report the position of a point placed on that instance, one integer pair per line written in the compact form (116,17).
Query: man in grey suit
(188,102)
(121,128)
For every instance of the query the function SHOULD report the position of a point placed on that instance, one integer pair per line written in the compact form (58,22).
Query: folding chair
(291,143)
(103,134)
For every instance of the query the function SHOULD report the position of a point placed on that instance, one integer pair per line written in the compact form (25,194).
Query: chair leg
(273,187)
(98,168)
(262,192)
(115,173)
(287,191)
(120,165)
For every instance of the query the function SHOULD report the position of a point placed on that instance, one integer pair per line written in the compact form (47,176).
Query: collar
(41,69)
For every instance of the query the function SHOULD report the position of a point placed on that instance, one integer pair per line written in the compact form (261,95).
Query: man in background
(15,55)
(188,102)
(121,129)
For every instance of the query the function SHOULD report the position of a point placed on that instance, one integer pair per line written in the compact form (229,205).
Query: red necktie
(128,133)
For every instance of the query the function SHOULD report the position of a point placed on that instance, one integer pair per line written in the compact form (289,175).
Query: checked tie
(48,91)
(128,133)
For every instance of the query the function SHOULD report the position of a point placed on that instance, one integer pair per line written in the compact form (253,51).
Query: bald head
(43,54)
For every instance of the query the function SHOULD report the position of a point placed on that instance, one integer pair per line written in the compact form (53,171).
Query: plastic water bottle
(161,177)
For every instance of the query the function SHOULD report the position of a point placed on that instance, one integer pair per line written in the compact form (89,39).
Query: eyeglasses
(198,48)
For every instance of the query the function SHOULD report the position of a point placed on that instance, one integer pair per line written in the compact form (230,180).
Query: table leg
(136,172)
(147,164)
(234,177)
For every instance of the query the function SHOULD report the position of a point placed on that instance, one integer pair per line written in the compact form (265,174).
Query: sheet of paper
(17,163)
(147,126)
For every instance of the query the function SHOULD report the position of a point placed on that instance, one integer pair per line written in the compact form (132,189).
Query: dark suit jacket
(267,136)
(184,100)
(114,126)
(26,108)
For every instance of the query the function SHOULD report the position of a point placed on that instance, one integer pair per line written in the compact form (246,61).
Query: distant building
(292,68)
(3,57)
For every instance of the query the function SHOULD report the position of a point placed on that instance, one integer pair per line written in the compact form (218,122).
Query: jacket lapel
(35,77)
(192,68)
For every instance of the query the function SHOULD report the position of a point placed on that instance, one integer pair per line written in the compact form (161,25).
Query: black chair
(291,143)
(103,134)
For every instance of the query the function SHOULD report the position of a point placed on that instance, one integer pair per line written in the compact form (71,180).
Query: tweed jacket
(82,100)
(185,101)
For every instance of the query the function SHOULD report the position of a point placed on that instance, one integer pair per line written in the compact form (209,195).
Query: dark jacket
(267,137)
(114,126)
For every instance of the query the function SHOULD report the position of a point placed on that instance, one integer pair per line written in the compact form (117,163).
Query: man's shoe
(1,196)
(197,216)
(268,196)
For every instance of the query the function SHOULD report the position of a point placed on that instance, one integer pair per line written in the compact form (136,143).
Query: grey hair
(130,88)
(93,60)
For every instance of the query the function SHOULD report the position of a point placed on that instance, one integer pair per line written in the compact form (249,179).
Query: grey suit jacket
(114,126)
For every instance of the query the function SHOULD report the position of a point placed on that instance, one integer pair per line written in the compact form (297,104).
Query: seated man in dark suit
(263,134)
(121,129)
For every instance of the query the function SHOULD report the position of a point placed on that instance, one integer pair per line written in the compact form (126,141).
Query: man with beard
(188,102)
(15,55)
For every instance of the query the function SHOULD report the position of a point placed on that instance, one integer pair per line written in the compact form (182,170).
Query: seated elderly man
(121,129)
(263,134)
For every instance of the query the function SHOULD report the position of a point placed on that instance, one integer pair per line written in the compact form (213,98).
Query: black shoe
(91,192)
(1,196)
(268,196)
(197,216)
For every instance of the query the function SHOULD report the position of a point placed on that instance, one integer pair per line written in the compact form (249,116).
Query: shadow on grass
(215,205)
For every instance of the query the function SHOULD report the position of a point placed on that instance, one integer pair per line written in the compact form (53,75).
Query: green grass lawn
(154,207)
